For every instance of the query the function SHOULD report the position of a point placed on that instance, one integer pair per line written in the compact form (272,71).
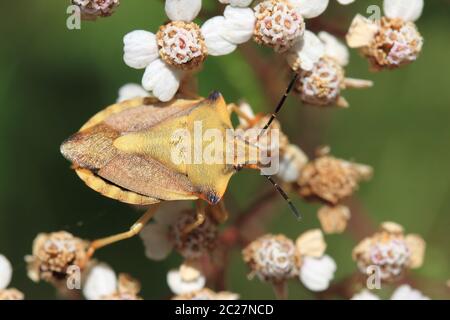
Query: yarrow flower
(101,283)
(403,292)
(92,9)
(185,279)
(169,232)
(391,251)
(53,255)
(6,272)
(331,180)
(393,41)
(130,91)
(179,46)
(323,84)
(276,259)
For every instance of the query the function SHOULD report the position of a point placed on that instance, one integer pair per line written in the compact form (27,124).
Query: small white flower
(317,273)
(101,281)
(292,161)
(237,3)
(272,258)
(166,234)
(184,280)
(5,272)
(183,10)
(393,41)
(405,292)
(179,46)
(335,49)
(407,10)
(131,91)
(365,295)
(306,53)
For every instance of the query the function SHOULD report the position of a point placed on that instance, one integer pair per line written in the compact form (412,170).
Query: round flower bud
(196,242)
(91,9)
(278,25)
(272,258)
(322,85)
(181,45)
(397,43)
(53,255)
(329,179)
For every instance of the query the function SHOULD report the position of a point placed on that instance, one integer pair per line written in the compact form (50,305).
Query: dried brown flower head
(330,179)
(53,254)
(333,219)
(272,258)
(197,242)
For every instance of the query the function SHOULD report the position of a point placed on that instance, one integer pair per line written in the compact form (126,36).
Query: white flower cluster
(275,259)
(181,45)
(392,42)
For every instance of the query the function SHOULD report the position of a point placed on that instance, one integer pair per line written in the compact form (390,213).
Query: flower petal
(306,52)
(131,91)
(212,32)
(408,10)
(170,211)
(239,24)
(156,241)
(316,273)
(140,49)
(237,3)
(183,10)
(361,32)
(178,285)
(5,272)
(334,48)
(100,281)
(162,80)
(405,292)
(345,2)
(310,8)
(365,295)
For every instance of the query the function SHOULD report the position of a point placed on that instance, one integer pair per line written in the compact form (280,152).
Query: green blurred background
(53,79)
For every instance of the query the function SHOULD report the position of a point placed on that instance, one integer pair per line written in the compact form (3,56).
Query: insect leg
(219,212)
(201,216)
(134,230)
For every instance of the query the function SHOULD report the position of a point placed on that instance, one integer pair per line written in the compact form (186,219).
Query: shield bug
(126,152)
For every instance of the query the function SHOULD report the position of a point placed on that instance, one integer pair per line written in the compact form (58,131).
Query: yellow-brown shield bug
(126,152)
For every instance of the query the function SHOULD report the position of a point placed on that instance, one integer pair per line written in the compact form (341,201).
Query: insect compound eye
(213,198)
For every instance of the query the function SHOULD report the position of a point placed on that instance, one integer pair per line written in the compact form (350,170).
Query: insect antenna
(280,104)
(286,197)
